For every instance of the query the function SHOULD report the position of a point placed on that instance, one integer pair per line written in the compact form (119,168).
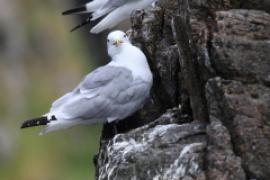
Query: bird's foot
(115,131)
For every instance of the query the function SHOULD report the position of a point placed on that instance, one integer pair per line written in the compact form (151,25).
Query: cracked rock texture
(209,112)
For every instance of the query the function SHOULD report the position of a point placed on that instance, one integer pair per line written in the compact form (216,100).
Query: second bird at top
(116,11)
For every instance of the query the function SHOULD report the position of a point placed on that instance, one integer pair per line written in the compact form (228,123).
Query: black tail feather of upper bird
(75,10)
(35,122)
(85,22)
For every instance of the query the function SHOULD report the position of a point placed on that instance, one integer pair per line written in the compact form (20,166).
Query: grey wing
(61,100)
(108,92)
(93,80)
(115,100)
(102,76)
(130,100)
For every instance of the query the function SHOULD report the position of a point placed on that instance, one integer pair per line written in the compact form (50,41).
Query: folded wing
(107,93)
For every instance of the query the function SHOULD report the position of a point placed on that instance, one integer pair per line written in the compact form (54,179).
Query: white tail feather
(57,125)
(65,124)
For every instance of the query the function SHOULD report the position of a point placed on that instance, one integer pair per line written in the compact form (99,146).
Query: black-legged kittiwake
(116,11)
(110,93)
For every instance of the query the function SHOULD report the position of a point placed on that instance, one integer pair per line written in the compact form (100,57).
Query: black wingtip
(75,10)
(87,21)
(24,125)
(34,122)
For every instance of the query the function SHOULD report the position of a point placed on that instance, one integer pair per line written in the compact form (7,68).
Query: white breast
(133,59)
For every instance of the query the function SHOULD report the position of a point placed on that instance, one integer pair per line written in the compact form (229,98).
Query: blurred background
(40,60)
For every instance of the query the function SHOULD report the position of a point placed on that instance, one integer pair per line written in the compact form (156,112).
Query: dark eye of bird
(125,36)
(108,40)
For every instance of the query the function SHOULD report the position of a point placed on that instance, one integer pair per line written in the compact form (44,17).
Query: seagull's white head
(116,40)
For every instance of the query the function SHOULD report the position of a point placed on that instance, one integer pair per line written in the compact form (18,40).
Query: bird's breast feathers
(134,60)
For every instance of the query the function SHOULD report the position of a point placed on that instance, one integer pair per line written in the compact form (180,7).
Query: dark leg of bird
(115,128)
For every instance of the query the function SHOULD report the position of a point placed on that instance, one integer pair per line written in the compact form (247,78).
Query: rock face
(208,117)
(172,149)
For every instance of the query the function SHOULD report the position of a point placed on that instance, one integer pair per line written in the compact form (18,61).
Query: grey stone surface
(160,150)
(222,162)
(244,110)
(240,54)
(250,36)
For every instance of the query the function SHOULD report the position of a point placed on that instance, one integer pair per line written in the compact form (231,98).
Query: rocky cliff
(208,117)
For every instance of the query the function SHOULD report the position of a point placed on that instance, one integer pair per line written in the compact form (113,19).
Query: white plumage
(109,93)
(115,11)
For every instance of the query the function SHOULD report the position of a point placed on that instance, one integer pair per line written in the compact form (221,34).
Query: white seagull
(110,93)
(116,11)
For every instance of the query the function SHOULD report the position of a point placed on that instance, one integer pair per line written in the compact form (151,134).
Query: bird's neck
(134,60)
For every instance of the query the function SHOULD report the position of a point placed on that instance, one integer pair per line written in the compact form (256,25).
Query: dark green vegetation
(40,61)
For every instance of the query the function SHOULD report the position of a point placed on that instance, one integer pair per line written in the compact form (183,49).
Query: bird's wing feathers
(87,8)
(61,100)
(106,92)
(115,3)
(116,16)
(121,10)
(116,11)
(108,7)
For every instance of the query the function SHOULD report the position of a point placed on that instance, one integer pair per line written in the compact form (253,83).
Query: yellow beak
(118,42)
